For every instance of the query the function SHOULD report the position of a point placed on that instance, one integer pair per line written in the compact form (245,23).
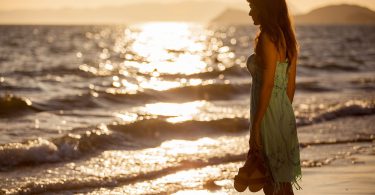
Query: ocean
(163,108)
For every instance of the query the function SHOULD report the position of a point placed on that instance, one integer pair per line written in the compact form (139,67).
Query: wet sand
(355,179)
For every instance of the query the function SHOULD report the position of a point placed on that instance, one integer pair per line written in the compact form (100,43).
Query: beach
(355,179)
(350,179)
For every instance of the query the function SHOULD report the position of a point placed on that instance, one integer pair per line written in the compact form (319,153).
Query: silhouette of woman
(273,70)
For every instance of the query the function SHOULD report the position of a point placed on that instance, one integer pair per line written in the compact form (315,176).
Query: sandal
(254,174)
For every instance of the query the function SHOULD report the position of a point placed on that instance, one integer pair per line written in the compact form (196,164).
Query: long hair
(274,19)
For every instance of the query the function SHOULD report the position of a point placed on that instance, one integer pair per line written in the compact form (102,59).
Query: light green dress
(278,126)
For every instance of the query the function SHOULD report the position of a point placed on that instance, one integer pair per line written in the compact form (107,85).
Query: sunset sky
(299,5)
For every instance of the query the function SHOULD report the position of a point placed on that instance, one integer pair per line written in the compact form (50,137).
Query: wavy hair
(274,19)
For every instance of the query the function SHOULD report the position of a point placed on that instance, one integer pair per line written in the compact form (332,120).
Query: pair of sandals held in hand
(253,174)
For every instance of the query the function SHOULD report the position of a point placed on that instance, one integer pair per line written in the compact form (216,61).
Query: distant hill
(232,16)
(338,14)
(333,14)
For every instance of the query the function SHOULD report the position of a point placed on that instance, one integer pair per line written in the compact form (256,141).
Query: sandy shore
(355,179)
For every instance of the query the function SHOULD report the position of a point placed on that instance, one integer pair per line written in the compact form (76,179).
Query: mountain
(232,16)
(333,14)
(338,14)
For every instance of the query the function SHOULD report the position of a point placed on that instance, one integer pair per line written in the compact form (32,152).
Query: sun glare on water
(178,112)
(155,56)
(170,48)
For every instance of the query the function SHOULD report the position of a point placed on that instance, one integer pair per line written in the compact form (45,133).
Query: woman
(273,70)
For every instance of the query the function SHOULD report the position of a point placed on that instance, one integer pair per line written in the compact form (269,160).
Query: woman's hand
(255,138)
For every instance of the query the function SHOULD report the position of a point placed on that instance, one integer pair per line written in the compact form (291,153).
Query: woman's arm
(268,57)
(291,88)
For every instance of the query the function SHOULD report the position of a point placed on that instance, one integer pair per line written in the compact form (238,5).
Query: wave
(349,108)
(214,73)
(57,71)
(160,128)
(230,71)
(11,105)
(363,80)
(312,86)
(332,67)
(85,100)
(5,86)
(364,83)
(217,91)
(139,134)
(59,149)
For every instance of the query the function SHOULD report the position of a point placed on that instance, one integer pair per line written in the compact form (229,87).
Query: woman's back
(281,72)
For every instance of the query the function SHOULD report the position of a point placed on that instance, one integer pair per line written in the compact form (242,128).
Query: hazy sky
(300,5)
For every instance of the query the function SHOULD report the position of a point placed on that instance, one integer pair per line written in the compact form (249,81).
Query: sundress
(278,126)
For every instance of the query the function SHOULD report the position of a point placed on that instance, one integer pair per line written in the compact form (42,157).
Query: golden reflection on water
(158,56)
(128,117)
(202,145)
(179,112)
(169,48)
(158,84)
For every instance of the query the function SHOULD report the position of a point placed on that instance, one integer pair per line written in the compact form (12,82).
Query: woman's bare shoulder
(265,38)
(266,45)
